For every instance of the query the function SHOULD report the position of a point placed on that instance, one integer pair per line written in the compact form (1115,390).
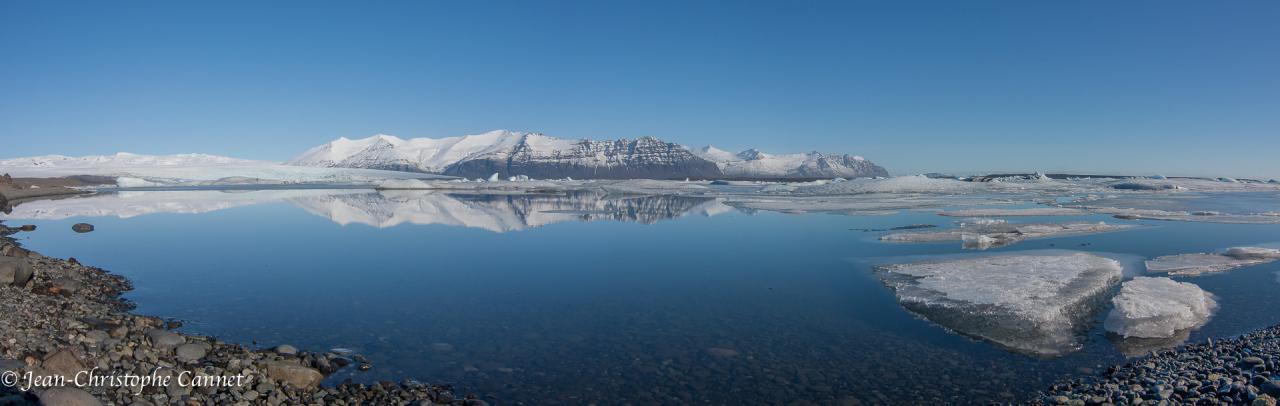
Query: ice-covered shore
(1037,304)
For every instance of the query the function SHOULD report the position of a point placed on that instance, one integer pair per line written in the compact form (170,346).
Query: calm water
(524,299)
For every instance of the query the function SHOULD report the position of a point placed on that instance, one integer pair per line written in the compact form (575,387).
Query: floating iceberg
(992,235)
(1158,308)
(1036,304)
(1202,263)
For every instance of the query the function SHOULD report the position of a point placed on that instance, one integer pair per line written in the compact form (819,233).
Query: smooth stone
(82,227)
(96,337)
(165,339)
(286,349)
(1270,387)
(15,271)
(294,374)
(191,352)
(67,396)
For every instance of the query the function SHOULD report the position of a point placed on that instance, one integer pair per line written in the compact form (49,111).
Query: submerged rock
(1158,308)
(1036,304)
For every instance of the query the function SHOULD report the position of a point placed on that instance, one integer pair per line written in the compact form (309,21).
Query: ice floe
(1158,308)
(1034,211)
(1036,304)
(1204,216)
(1202,263)
(994,235)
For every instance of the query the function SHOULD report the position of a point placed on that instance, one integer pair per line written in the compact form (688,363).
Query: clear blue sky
(1143,87)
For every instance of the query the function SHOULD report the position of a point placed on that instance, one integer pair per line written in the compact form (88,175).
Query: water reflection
(497,213)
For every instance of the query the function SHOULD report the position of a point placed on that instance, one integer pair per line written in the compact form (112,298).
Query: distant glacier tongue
(1034,304)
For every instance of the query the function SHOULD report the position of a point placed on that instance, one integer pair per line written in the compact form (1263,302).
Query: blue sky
(1137,87)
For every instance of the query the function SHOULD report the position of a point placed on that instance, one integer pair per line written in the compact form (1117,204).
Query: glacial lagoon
(573,298)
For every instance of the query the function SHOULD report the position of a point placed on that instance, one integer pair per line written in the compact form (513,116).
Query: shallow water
(575,299)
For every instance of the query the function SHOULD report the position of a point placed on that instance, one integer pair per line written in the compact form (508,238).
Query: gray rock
(67,285)
(15,271)
(64,363)
(67,396)
(165,339)
(286,349)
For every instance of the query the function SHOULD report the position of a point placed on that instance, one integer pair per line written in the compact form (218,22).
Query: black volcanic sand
(69,317)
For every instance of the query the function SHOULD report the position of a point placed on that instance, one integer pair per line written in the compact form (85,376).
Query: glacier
(136,170)
(1160,307)
(1036,304)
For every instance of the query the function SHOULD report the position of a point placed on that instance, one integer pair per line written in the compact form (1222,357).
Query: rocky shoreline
(1235,371)
(69,338)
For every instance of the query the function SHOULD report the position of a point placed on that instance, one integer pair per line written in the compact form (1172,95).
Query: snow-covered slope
(511,153)
(428,155)
(755,164)
(187,169)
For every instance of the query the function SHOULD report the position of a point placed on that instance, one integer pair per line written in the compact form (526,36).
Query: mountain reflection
(497,213)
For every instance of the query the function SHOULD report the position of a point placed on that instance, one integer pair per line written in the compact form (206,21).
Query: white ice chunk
(1202,263)
(1038,304)
(1158,308)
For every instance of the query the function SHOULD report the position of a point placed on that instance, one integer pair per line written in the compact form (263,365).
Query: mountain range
(510,153)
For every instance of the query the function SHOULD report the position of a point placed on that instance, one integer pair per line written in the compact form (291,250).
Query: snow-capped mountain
(509,153)
(755,164)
